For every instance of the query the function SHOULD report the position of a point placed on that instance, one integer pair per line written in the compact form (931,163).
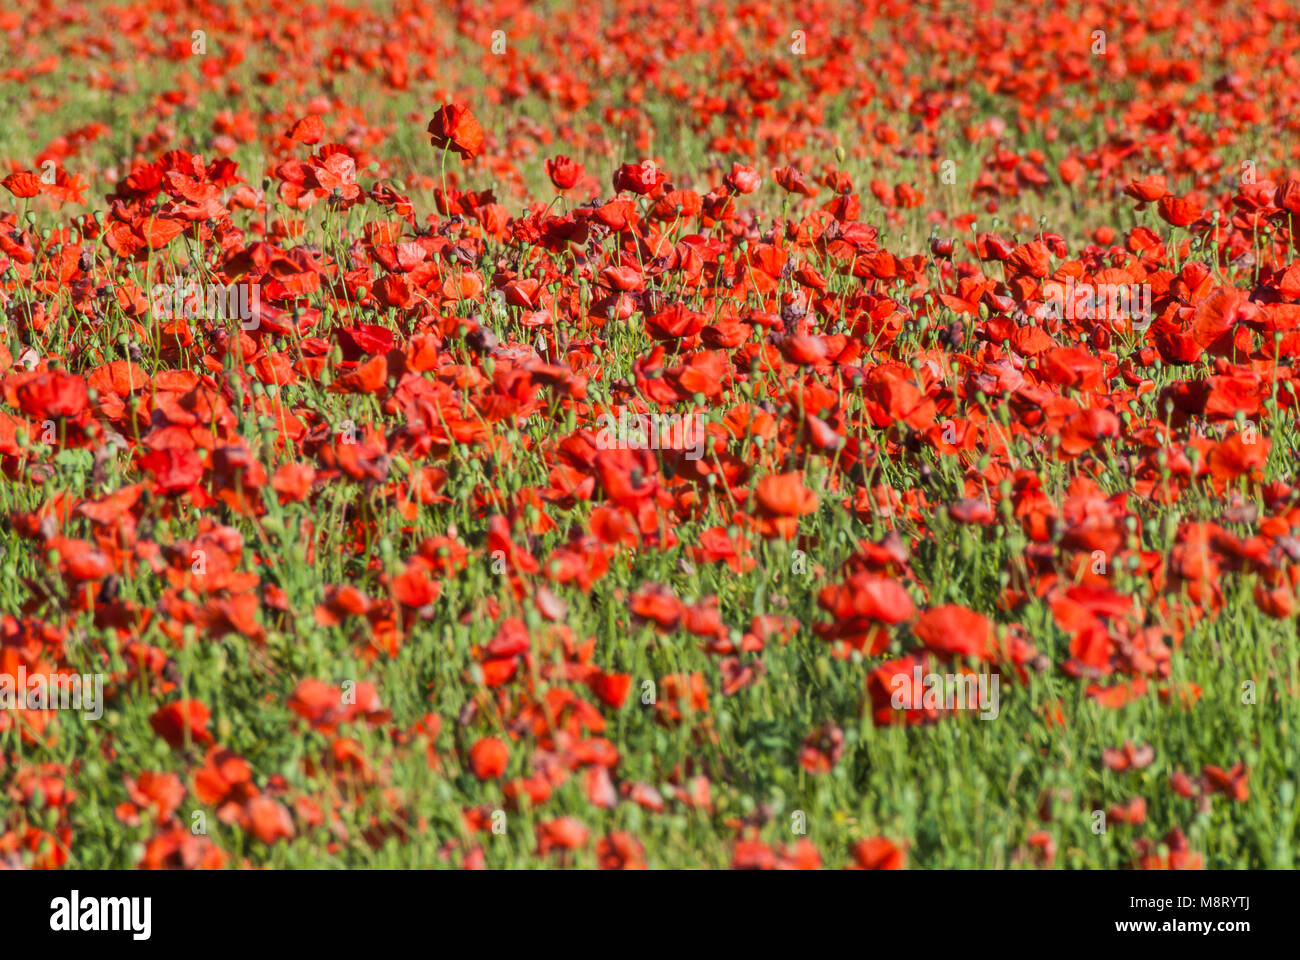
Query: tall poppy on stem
(455,128)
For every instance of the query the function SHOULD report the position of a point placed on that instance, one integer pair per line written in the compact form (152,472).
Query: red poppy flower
(784,495)
(611,688)
(743,179)
(177,848)
(455,128)
(1147,191)
(23,184)
(564,173)
(563,833)
(792,181)
(54,393)
(174,469)
(182,720)
(308,130)
(1231,783)
(954,630)
(877,853)
(269,819)
(1178,211)
(620,851)
(488,758)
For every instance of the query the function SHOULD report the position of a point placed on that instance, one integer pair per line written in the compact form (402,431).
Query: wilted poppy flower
(822,749)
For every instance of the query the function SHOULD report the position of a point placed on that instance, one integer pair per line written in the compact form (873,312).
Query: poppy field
(649,435)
